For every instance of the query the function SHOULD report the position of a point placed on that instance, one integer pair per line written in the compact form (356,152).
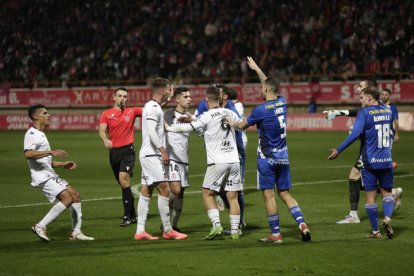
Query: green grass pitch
(319,185)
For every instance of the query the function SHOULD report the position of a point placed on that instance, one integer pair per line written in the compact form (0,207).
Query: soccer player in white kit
(223,167)
(39,156)
(155,160)
(177,147)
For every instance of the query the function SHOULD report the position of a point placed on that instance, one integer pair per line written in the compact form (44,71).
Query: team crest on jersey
(127,119)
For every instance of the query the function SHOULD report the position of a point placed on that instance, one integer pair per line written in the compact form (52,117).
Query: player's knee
(66,198)
(175,191)
(268,194)
(76,196)
(124,180)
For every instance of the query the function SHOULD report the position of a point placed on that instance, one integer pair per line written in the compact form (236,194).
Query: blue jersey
(270,118)
(202,107)
(394,111)
(373,125)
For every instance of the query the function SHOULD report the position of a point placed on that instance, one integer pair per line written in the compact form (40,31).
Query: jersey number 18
(383,135)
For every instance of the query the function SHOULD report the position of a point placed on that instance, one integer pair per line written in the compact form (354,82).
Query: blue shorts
(271,173)
(385,177)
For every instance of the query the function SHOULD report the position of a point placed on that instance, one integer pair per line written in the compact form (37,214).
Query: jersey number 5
(383,135)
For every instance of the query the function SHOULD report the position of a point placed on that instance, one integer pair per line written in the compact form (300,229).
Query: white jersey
(41,168)
(240,109)
(177,143)
(152,111)
(219,138)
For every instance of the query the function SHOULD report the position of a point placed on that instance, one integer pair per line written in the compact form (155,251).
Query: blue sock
(240,198)
(372,211)
(388,205)
(273,221)
(297,214)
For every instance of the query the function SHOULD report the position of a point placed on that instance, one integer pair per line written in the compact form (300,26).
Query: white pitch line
(195,192)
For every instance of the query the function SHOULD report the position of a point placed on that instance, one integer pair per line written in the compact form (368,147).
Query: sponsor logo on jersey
(381,160)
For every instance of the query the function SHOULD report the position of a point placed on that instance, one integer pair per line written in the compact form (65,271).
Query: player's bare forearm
(164,156)
(243,125)
(252,64)
(70,165)
(104,138)
(35,154)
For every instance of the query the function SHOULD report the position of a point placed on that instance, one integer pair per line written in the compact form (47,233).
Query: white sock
(176,211)
(214,216)
(142,210)
(353,214)
(53,213)
(76,214)
(234,223)
(164,210)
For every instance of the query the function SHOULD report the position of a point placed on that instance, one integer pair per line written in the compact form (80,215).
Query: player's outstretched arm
(186,118)
(331,114)
(69,165)
(334,154)
(252,64)
(240,125)
(35,154)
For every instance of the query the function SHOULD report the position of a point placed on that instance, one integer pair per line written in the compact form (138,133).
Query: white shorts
(223,175)
(153,171)
(178,172)
(53,187)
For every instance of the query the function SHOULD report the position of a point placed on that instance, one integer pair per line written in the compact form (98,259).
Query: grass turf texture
(320,186)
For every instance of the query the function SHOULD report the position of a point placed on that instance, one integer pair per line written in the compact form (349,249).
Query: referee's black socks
(354,190)
(128,202)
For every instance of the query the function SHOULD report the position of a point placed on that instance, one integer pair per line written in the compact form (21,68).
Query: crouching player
(39,156)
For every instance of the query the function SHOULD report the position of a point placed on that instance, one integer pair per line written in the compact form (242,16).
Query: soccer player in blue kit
(373,126)
(272,157)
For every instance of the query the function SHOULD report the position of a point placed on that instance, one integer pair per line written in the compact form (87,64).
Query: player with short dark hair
(226,102)
(177,147)
(373,127)
(273,166)
(119,121)
(223,168)
(385,97)
(39,156)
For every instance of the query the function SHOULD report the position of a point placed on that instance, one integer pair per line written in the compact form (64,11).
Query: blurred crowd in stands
(84,40)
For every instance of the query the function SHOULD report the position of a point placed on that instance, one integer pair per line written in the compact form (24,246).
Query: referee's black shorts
(122,159)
